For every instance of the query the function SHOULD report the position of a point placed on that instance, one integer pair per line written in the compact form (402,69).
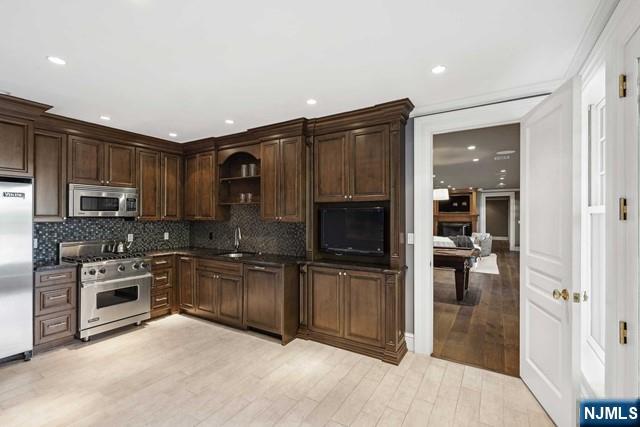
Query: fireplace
(447,229)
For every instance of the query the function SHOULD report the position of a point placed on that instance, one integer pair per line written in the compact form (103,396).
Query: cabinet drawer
(220,266)
(52,299)
(54,326)
(161,299)
(55,277)
(165,261)
(162,279)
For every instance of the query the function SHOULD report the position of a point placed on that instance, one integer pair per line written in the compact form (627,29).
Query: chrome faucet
(237,237)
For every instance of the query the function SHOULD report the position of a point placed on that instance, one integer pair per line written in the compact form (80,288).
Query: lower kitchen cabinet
(54,307)
(186,283)
(359,310)
(219,291)
(230,299)
(271,299)
(163,286)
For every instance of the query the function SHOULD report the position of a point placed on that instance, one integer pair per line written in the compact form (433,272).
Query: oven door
(112,300)
(90,201)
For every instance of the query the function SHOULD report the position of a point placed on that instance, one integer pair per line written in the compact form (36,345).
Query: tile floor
(181,371)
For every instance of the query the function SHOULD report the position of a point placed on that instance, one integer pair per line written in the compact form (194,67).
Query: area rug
(487,265)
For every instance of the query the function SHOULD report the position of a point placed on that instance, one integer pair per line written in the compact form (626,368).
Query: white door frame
(484,195)
(424,129)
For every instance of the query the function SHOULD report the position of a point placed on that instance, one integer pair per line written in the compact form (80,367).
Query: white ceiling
(453,161)
(157,66)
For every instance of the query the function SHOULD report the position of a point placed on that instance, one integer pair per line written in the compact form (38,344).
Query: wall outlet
(211,235)
(35,243)
(129,237)
(166,236)
(410,238)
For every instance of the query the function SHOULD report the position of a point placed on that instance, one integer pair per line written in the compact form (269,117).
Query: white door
(546,256)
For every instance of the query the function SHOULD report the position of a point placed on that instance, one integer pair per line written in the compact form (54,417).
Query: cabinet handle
(57,297)
(161,277)
(107,181)
(57,276)
(55,325)
(350,196)
(185,258)
(346,197)
(161,299)
(160,262)
(256,267)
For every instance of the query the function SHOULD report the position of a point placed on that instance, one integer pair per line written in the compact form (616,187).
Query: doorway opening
(476,181)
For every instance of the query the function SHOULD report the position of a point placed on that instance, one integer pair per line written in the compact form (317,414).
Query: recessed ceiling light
(471,147)
(454,188)
(502,183)
(311,101)
(448,186)
(470,188)
(56,60)
(502,178)
(229,121)
(505,152)
(438,69)
(173,134)
(106,118)
(503,171)
(441,182)
(476,160)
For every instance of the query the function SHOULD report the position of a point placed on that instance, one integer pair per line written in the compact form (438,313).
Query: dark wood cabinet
(50,176)
(331,181)
(283,180)
(16,143)
(206,295)
(352,166)
(171,187)
(164,286)
(230,299)
(186,283)
(100,163)
(120,165)
(200,187)
(363,307)
(219,291)
(149,190)
(54,310)
(325,301)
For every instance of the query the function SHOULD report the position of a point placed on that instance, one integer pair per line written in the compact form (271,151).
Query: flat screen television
(353,230)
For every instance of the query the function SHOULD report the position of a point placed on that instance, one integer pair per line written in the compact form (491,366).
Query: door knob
(564,294)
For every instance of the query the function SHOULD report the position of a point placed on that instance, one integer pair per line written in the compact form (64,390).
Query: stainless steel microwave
(101,201)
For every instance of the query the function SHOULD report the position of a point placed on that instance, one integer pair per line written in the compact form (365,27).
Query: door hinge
(622,208)
(622,332)
(622,85)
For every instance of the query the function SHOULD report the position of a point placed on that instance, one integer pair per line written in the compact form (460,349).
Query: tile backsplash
(257,235)
(147,235)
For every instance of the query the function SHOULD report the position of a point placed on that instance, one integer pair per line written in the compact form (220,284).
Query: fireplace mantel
(470,217)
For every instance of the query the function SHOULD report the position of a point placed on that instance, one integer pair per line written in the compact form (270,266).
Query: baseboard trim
(408,338)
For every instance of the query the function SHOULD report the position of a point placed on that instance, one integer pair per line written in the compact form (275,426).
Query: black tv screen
(356,231)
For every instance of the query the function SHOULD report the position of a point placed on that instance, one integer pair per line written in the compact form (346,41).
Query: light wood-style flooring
(181,371)
(483,330)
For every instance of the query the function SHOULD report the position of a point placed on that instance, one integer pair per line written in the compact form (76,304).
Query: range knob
(121,268)
(135,266)
(143,265)
(102,270)
(92,272)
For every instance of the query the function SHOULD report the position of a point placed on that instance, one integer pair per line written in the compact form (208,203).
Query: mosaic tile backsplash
(146,235)
(257,235)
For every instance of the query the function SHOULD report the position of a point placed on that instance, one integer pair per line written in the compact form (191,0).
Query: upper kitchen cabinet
(283,180)
(149,184)
(50,176)
(100,163)
(171,187)
(16,143)
(353,165)
(200,187)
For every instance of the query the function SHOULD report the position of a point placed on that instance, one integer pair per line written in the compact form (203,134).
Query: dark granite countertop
(43,266)
(260,258)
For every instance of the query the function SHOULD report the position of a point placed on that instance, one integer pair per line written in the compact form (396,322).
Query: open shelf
(253,202)
(239,178)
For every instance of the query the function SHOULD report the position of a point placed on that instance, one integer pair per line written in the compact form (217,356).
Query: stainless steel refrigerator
(16,268)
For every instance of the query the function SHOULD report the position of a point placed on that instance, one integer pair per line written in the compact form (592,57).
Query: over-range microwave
(102,201)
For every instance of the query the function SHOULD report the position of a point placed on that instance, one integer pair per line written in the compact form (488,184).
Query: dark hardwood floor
(483,329)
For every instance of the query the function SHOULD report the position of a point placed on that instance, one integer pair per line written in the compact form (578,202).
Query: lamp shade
(440,194)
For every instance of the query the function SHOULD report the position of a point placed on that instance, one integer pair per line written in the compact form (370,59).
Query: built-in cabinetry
(50,176)
(186,283)
(54,307)
(219,291)
(16,141)
(164,285)
(200,187)
(101,163)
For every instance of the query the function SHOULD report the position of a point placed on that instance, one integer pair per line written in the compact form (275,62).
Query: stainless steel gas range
(114,288)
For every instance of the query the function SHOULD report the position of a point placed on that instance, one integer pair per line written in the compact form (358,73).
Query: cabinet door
(190,187)
(325,300)
(120,165)
(230,299)
(364,307)
(291,180)
(50,176)
(263,298)
(206,292)
(16,147)
(149,184)
(86,161)
(330,168)
(171,185)
(205,188)
(369,164)
(186,283)
(269,180)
